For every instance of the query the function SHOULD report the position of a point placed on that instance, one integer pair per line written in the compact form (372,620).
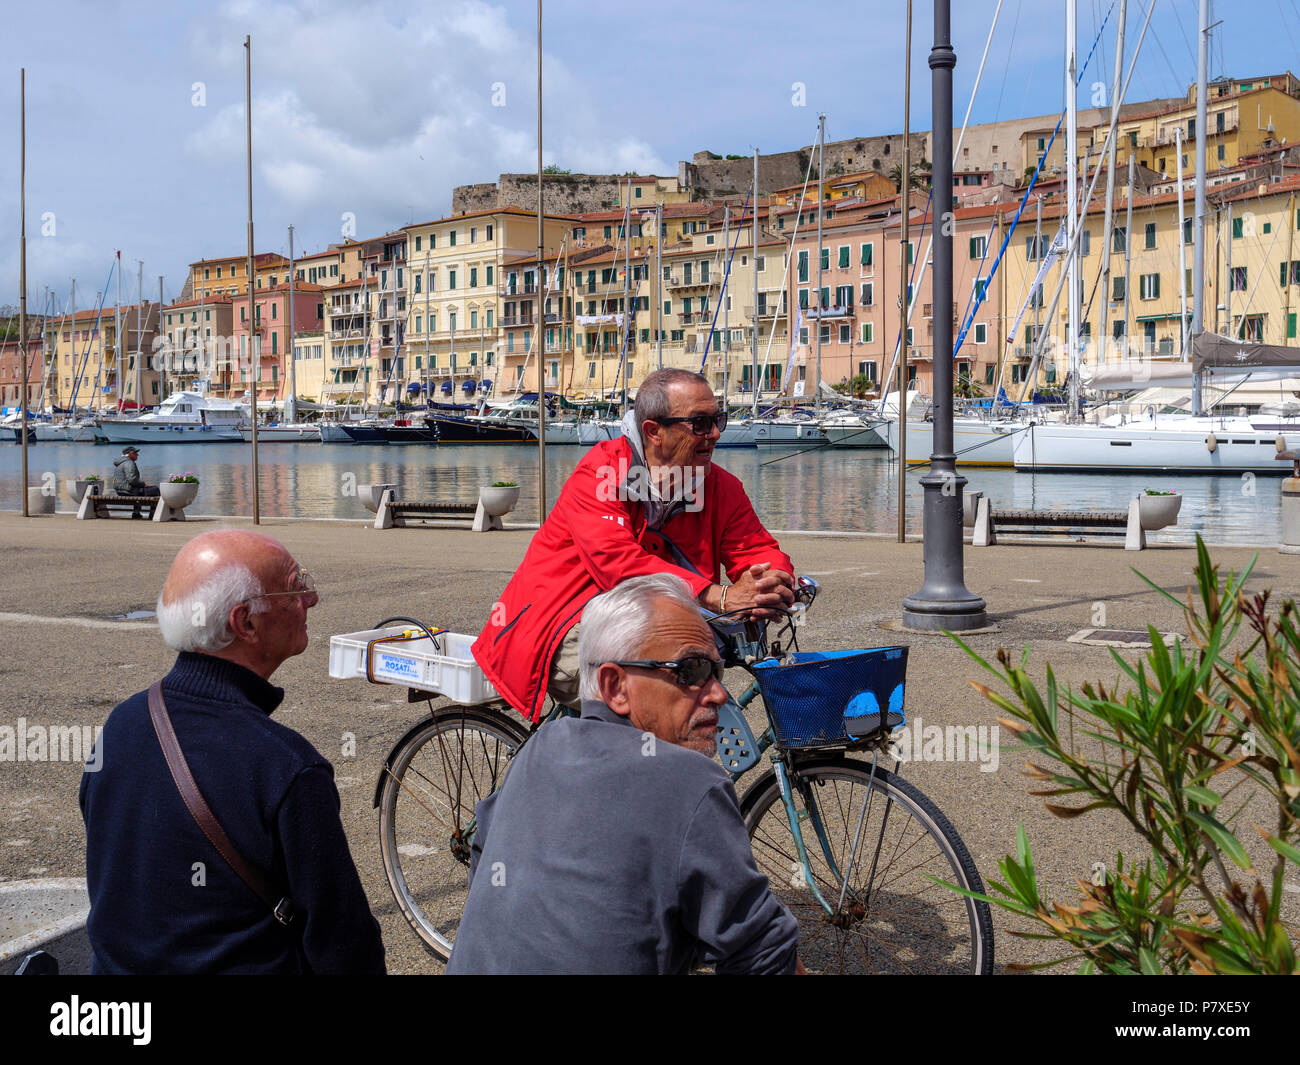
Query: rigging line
(1191,54)
(789,263)
(1286,25)
(997,110)
(1172,73)
(94,332)
(722,292)
(925,259)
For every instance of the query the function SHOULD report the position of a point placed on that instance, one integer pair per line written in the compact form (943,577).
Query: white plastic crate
(451,671)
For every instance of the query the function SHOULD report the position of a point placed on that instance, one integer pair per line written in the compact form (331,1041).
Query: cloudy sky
(374,110)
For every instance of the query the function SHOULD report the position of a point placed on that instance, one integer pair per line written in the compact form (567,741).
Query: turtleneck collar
(214,678)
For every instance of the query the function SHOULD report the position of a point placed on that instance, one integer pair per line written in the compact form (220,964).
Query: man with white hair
(645,867)
(169,895)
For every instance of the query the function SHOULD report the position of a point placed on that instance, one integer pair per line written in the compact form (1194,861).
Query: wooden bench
(1094,522)
(96,505)
(394,512)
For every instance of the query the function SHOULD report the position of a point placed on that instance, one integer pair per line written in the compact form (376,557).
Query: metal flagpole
(254,333)
(117,326)
(943,601)
(541,258)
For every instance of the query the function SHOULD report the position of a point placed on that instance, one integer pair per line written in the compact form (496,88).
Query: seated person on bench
(127,480)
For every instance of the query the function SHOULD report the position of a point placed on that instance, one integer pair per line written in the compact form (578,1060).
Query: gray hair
(652,394)
(200,621)
(617,624)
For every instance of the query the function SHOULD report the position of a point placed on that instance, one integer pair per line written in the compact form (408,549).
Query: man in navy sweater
(163,900)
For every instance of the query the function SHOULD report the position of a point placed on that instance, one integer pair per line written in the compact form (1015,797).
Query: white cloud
(383,110)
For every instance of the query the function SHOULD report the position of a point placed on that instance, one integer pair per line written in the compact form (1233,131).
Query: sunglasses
(700,423)
(693,671)
(305,587)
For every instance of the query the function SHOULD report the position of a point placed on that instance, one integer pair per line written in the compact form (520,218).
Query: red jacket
(588,544)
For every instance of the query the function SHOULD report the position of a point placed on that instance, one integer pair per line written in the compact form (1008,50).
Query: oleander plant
(1198,750)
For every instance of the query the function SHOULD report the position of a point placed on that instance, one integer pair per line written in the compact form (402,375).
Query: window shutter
(866,255)
(973,254)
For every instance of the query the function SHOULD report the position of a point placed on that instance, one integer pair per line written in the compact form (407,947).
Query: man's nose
(714,693)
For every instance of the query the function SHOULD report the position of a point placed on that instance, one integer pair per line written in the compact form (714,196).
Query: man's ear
(650,432)
(612,683)
(240,623)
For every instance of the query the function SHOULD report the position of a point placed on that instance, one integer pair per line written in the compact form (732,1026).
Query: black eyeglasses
(693,671)
(700,423)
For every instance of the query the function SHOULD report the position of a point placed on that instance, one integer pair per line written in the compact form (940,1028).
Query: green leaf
(1288,850)
(1204,796)
(1222,838)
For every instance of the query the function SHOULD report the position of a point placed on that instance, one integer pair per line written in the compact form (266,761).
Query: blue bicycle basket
(829,698)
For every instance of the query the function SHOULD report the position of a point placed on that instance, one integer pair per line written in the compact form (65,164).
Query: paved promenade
(67,662)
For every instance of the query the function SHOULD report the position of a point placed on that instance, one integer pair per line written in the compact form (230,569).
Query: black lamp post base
(956,615)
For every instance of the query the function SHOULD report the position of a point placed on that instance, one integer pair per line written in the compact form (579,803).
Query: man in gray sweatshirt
(126,477)
(616,844)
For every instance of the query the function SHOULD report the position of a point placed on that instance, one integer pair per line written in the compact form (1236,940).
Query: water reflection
(843,491)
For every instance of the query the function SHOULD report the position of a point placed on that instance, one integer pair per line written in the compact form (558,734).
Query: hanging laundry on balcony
(598,319)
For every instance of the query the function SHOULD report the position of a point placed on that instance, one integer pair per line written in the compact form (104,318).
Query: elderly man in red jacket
(649,502)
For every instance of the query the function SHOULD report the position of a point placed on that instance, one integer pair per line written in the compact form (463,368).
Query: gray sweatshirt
(607,851)
(126,477)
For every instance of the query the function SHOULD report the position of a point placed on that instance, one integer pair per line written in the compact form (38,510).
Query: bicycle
(819,809)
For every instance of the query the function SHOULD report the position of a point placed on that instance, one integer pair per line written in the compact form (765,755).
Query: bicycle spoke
(895,919)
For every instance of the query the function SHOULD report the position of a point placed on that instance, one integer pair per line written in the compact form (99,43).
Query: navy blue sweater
(162,899)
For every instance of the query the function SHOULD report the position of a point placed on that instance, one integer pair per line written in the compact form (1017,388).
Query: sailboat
(1196,442)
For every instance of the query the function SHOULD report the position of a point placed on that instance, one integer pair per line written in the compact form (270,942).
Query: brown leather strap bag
(281,906)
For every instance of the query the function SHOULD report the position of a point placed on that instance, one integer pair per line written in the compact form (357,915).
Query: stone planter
(497,502)
(371,494)
(77,488)
(179,495)
(39,502)
(1158,512)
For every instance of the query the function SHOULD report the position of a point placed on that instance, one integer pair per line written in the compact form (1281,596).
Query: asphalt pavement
(66,587)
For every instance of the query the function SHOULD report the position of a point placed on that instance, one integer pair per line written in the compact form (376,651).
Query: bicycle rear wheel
(432,781)
(894,919)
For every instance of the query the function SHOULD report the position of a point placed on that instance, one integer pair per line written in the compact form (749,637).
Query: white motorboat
(851,429)
(183,418)
(287,433)
(787,430)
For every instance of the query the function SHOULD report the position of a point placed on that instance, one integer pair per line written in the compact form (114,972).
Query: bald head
(207,555)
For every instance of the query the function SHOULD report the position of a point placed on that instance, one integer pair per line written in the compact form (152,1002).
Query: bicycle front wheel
(892,918)
(432,781)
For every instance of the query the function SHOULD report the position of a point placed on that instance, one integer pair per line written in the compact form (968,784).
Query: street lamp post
(943,601)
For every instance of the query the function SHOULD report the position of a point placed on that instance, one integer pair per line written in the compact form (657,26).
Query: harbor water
(811,490)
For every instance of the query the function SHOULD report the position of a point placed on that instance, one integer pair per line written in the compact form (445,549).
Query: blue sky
(377,109)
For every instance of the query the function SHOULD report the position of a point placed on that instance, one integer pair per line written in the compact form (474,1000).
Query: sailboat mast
(1072,202)
(73,331)
(1128,255)
(139,288)
(117,330)
(1182,248)
(659,284)
(1103,335)
(291,401)
(753,376)
(1198,226)
(753,221)
(821,160)
(726,332)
